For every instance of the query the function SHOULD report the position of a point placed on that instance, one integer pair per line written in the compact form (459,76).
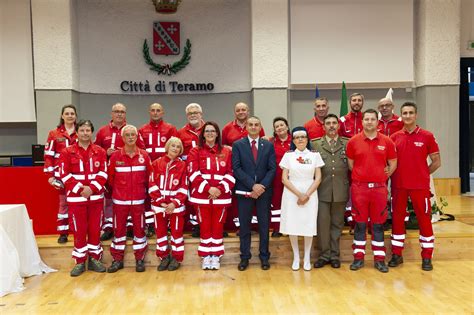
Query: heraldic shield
(166,38)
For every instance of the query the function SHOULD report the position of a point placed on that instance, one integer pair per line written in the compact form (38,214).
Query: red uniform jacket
(281,147)
(58,140)
(206,169)
(351,124)
(233,132)
(128,177)
(110,136)
(78,168)
(168,183)
(190,138)
(155,135)
(391,126)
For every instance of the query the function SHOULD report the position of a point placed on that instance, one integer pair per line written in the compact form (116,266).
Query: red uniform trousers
(149,214)
(232,221)
(192,211)
(63,217)
(85,222)
(369,201)
(140,245)
(276,205)
(176,223)
(420,199)
(211,220)
(107,219)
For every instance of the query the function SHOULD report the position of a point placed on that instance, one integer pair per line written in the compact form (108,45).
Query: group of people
(297,183)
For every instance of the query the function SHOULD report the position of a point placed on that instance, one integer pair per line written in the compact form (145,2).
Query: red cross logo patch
(166,38)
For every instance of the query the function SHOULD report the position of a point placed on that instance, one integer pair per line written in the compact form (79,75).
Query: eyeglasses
(118,111)
(194,113)
(299,137)
(209,131)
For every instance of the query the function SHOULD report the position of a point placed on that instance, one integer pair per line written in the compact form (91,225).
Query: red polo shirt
(370,157)
(315,128)
(412,150)
(389,127)
(233,132)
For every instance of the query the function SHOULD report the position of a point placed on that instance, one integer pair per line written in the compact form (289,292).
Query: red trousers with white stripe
(85,224)
(369,202)
(140,245)
(420,199)
(149,213)
(63,216)
(211,220)
(107,219)
(176,224)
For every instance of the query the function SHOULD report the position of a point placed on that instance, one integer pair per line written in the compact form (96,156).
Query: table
(18,249)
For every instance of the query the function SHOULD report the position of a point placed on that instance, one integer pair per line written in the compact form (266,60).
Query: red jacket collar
(111,125)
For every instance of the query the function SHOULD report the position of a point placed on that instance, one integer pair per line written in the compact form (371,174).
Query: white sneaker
(206,263)
(307,265)
(296,265)
(215,263)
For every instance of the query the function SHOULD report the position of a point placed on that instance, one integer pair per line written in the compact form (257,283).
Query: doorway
(466,130)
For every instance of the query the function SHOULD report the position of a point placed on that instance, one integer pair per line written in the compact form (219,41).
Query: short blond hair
(174,140)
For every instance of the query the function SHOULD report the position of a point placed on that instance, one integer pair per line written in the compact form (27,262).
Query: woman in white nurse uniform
(299,206)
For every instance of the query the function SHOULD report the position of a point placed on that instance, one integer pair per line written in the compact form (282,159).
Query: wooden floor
(448,289)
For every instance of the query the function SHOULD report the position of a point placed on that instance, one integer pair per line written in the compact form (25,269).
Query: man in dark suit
(254,165)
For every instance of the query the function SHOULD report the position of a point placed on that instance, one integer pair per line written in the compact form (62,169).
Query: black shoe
(244,263)
(196,232)
(116,266)
(381,266)
(225,234)
(395,261)
(150,231)
(426,264)
(107,235)
(78,270)
(265,264)
(62,239)
(164,263)
(129,234)
(357,264)
(140,266)
(276,234)
(320,263)
(174,264)
(335,263)
(95,265)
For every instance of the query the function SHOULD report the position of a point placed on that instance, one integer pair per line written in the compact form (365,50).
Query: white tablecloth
(19,256)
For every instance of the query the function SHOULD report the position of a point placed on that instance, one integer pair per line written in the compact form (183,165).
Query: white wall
(355,41)
(16,62)
(112,32)
(467,27)
(437,43)
(55,44)
(270,59)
